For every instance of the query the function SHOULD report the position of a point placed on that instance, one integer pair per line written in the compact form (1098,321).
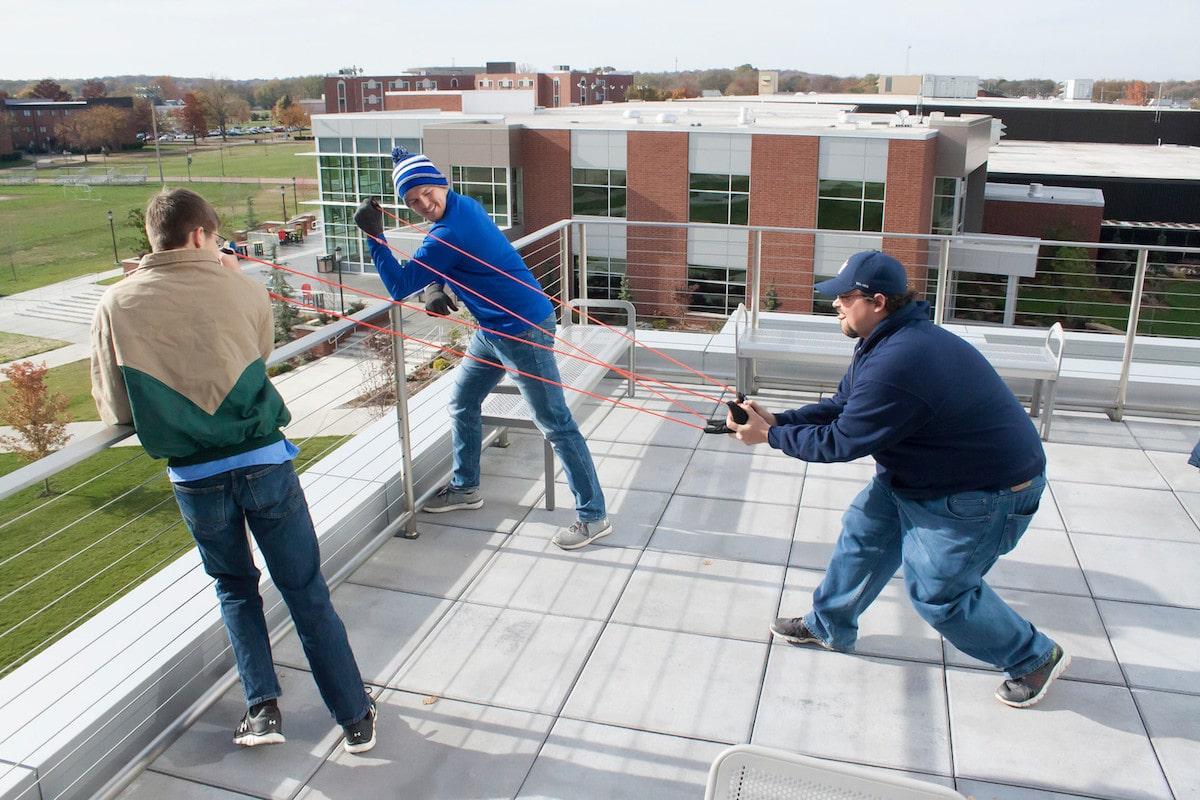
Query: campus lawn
(65,557)
(16,346)
(236,158)
(75,381)
(52,233)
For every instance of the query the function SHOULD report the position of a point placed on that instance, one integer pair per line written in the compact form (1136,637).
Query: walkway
(507,668)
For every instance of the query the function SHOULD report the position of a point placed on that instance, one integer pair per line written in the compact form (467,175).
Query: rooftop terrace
(506,668)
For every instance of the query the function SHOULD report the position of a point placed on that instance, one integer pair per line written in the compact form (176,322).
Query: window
(454,83)
(404,84)
(598,192)
(850,205)
(724,199)
(948,206)
(341,96)
(605,277)
(715,290)
(488,185)
(555,98)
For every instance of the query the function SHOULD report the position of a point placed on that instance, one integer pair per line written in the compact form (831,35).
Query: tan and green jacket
(179,351)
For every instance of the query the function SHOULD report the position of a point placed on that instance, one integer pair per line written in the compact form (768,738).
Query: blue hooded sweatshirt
(466,225)
(927,405)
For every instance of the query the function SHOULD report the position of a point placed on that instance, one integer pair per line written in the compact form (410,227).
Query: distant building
(768,81)
(949,86)
(33,124)
(1077,89)
(561,86)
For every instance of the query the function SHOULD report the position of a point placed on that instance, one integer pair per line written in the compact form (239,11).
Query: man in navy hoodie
(518,308)
(959,473)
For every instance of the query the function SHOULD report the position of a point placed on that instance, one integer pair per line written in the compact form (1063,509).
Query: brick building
(561,86)
(1044,212)
(346,93)
(864,176)
(33,123)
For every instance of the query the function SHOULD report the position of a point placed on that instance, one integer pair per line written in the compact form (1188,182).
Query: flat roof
(1038,193)
(1096,160)
(965,103)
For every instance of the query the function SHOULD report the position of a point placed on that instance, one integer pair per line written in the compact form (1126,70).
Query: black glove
(369,217)
(439,302)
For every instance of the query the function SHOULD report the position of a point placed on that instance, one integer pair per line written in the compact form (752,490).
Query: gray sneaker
(450,499)
(581,534)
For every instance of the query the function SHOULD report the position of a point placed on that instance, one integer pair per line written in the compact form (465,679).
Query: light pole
(283,201)
(112,229)
(157,153)
(337,263)
(295,202)
(189,160)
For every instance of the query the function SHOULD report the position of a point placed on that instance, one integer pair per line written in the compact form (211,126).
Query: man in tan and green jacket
(179,350)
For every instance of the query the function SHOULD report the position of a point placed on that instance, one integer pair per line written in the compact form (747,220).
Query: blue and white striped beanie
(409,171)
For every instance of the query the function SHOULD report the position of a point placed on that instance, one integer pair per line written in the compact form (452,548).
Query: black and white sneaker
(360,737)
(262,724)
(795,631)
(1028,689)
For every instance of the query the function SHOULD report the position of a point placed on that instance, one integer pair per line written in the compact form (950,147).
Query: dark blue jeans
(270,499)
(545,401)
(946,544)
(1195,459)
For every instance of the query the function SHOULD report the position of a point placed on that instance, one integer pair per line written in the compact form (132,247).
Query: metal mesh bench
(750,772)
(506,408)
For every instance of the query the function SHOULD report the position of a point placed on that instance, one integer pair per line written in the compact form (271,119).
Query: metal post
(295,202)
(756,279)
(583,284)
(283,201)
(1010,301)
(1135,309)
(337,262)
(564,273)
(189,167)
(157,154)
(397,323)
(943,289)
(113,231)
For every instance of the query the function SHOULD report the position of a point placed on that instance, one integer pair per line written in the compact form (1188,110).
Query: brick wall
(657,174)
(1043,220)
(404,101)
(545,161)
(908,206)
(783,192)
(6,140)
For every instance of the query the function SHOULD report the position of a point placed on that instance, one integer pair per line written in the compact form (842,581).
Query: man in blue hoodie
(959,473)
(518,308)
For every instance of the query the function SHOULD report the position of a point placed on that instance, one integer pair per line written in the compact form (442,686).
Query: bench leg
(1048,411)
(548,458)
(1035,402)
(744,379)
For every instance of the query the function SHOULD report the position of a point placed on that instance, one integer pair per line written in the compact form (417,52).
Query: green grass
(237,158)
(128,496)
(75,381)
(15,346)
(110,281)
(50,234)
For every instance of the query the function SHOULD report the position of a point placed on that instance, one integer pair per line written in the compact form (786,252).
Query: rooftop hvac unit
(664,118)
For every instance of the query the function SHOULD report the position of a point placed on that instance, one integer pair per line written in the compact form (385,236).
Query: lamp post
(283,202)
(154,129)
(295,202)
(337,263)
(189,160)
(112,229)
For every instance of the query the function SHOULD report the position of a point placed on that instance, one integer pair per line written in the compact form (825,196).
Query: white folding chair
(749,772)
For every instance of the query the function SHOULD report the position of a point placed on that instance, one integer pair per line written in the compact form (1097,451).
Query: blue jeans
(545,401)
(1195,459)
(269,498)
(946,544)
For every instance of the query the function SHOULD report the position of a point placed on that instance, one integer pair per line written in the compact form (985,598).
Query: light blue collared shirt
(275,453)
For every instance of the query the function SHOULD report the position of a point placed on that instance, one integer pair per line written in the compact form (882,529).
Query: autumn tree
(38,416)
(744,81)
(45,89)
(223,107)
(1136,93)
(190,117)
(166,89)
(290,114)
(101,126)
(92,89)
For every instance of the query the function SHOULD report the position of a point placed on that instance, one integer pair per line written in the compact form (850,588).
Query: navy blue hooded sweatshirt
(927,405)
(466,225)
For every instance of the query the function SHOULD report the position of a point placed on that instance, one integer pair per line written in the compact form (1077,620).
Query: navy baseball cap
(870,272)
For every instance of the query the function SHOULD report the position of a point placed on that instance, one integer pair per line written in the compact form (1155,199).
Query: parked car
(182,137)
(164,137)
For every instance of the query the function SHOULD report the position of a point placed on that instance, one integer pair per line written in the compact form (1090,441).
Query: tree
(281,105)
(191,116)
(222,106)
(1136,93)
(744,81)
(45,89)
(136,219)
(294,116)
(101,126)
(142,115)
(164,86)
(285,312)
(92,89)
(38,415)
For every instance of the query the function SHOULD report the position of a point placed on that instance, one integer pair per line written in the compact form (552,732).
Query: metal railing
(691,276)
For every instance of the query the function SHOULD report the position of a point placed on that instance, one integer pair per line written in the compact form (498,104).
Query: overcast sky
(1151,39)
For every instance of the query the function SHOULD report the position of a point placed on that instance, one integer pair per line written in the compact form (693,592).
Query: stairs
(76,309)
